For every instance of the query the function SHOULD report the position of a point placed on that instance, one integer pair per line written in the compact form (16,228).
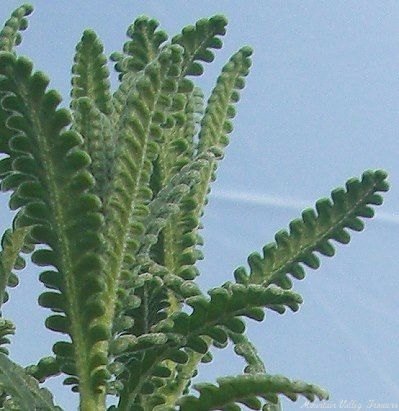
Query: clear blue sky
(320,106)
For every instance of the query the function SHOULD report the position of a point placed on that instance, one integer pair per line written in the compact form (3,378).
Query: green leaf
(141,131)
(97,132)
(216,125)
(13,241)
(70,229)
(168,202)
(195,332)
(138,369)
(45,368)
(210,317)
(23,388)
(313,232)
(198,42)
(10,35)
(90,73)
(141,127)
(178,239)
(208,321)
(143,47)
(248,389)
(92,109)
(212,138)
(245,349)
(6,328)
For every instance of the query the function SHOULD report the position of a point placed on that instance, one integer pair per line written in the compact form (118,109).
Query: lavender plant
(109,196)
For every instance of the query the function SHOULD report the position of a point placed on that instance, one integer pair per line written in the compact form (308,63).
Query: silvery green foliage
(114,189)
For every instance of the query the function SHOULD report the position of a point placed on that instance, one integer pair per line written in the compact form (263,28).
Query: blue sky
(320,106)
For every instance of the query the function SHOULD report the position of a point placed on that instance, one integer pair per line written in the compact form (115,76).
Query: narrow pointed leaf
(314,232)
(90,73)
(65,177)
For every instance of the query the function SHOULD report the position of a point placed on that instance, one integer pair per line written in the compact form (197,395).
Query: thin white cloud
(286,202)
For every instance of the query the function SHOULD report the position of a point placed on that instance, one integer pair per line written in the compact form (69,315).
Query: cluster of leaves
(138,164)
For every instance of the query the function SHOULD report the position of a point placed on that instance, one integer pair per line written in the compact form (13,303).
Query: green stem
(90,402)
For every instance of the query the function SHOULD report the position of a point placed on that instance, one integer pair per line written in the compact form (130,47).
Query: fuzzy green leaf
(97,132)
(223,310)
(142,127)
(245,389)
(314,231)
(33,113)
(168,201)
(143,47)
(212,137)
(140,51)
(215,125)
(177,239)
(244,348)
(198,42)
(92,108)
(90,73)
(45,368)
(10,35)
(7,328)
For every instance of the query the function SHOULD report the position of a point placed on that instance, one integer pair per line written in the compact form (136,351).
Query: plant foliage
(109,196)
